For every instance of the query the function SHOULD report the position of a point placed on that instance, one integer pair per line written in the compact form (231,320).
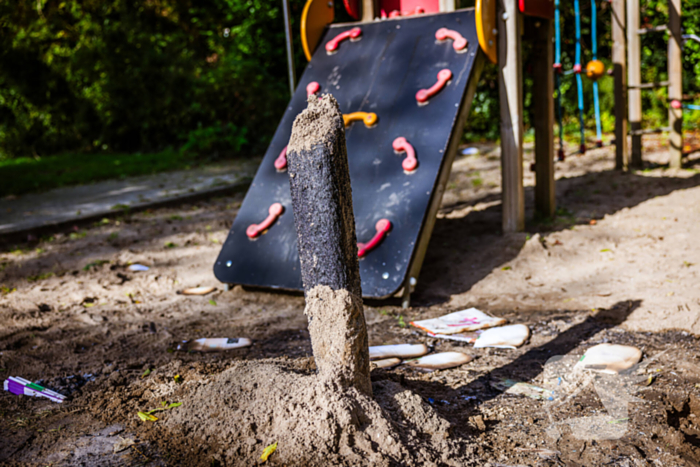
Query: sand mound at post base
(253,404)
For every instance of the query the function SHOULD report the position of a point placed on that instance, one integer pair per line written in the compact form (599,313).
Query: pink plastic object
(383,226)
(442,78)
(459,41)
(401,145)
(352,7)
(577,68)
(396,13)
(332,45)
(312,88)
(275,211)
(281,161)
(676,104)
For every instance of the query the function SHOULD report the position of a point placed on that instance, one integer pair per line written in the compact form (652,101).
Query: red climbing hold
(332,45)
(312,88)
(383,226)
(275,211)
(401,145)
(443,77)
(459,44)
(281,161)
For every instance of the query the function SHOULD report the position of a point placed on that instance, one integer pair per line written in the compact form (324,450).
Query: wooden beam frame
(369,10)
(675,87)
(619,58)
(634,79)
(543,103)
(511,105)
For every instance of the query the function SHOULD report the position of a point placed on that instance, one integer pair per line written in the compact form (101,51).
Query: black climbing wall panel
(379,73)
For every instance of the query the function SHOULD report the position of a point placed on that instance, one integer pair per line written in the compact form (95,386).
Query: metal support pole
(288,40)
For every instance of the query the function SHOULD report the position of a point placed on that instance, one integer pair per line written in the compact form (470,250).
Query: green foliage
(28,174)
(125,75)
(118,76)
(483,121)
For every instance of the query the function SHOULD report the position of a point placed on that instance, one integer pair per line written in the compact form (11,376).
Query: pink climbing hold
(459,42)
(281,161)
(352,34)
(443,77)
(383,226)
(400,144)
(312,88)
(274,212)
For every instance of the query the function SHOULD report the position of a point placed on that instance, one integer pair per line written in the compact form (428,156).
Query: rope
(594,47)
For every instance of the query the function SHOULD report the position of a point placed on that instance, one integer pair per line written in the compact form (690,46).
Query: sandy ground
(618,264)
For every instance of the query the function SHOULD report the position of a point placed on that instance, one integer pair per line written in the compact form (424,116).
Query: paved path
(79,203)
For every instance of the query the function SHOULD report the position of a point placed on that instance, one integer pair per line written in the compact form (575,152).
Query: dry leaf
(268,452)
(147,417)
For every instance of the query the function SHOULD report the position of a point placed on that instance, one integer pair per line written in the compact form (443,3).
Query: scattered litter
(21,386)
(138,268)
(149,417)
(505,337)
(146,373)
(516,388)
(545,453)
(197,291)
(470,151)
(267,452)
(122,444)
(478,420)
(459,321)
(468,337)
(385,363)
(378,352)
(648,381)
(440,361)
(178,379)
(610,358)
(214,344)
(212,302)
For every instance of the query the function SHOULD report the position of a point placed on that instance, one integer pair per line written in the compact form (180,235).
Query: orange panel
(486,28)
(316,16)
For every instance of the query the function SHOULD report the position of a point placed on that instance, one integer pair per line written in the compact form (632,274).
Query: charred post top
(322,198)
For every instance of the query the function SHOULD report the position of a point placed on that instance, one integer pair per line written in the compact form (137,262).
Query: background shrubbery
(209,76)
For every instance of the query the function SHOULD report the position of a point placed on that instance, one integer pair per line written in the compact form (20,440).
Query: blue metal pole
(594,49)
(577,68)
(557,72)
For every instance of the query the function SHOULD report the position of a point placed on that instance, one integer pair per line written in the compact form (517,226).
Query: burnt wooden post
(322,202)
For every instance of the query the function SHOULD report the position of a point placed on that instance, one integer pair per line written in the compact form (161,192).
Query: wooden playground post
(634,77)
(369,10)
(511,106)
(622,161)
(675,86)
(543,102)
